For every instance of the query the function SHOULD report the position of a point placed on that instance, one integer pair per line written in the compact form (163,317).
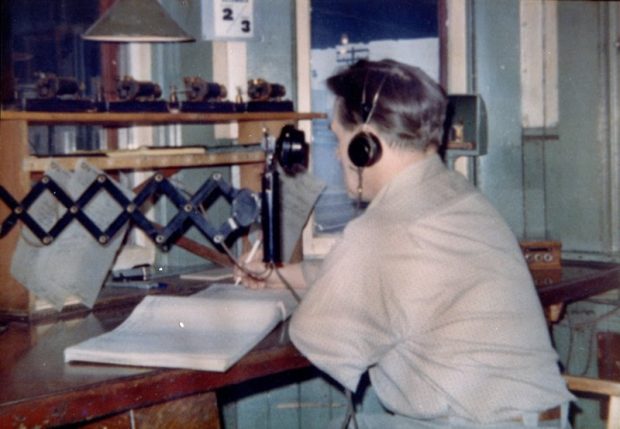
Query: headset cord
(350,415)
(287,285)
(262,276)
(259,276)
(360,188)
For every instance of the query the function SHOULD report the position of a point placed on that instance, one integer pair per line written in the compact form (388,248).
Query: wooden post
(14,298)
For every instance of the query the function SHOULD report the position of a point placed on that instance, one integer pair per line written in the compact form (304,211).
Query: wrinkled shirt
(429,292)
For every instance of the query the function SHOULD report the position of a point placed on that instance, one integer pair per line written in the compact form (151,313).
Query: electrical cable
(591,324)
(287,284)
(359,188)
(255,275)
(263,275)
(350,415)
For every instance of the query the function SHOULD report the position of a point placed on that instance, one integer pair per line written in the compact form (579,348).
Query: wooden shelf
(130,119)
(18,167)
(35,164)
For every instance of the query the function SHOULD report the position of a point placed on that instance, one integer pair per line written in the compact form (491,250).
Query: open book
(210,330)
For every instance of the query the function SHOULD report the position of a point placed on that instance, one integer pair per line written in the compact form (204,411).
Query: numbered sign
(228,19)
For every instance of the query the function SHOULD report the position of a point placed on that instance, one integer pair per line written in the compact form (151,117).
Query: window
(42,37)
(341,33)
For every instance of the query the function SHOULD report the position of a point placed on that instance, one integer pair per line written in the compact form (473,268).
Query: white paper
(299,195)
(75,264)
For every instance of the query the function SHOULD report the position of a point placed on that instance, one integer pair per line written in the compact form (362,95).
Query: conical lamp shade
(136,21)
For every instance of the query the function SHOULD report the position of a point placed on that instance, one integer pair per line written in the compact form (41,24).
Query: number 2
(228,14)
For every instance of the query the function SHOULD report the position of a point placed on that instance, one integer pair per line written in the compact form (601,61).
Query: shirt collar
(413,175)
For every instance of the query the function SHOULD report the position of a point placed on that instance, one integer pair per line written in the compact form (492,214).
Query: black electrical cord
(287,285)
(350,415)
(263,275)
(255,275)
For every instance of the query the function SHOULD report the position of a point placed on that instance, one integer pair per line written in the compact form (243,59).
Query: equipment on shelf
(58,94)
(198,89)
(267,97)
(205,96)
(129,89)
(65,94)
(138,96)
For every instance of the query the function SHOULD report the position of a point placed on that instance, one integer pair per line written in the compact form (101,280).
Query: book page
(210,330)
(282,297)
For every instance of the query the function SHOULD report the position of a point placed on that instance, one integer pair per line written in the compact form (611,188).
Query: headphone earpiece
(364,149)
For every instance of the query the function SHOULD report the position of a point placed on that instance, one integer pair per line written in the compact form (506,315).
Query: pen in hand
(249,258)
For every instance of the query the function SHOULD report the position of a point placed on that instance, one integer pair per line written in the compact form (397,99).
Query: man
(427,290)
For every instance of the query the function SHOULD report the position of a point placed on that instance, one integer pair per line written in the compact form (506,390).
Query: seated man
(427,290)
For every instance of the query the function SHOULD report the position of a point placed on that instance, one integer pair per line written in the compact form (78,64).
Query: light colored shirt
(429,292)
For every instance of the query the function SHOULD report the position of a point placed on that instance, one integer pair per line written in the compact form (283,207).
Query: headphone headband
(365,148)
(367,115)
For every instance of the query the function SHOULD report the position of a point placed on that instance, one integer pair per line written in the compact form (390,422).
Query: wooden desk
(578,280)
(38,388)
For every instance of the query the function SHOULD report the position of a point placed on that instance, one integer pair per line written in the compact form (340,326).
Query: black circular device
(364,149)
(245,208)
(292,150)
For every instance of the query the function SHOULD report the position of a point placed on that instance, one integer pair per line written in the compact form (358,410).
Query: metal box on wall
(466,125)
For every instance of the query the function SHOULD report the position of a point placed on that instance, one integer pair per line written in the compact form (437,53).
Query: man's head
(409,111)
(397,106)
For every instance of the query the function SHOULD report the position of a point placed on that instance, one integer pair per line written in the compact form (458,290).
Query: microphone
(291,152)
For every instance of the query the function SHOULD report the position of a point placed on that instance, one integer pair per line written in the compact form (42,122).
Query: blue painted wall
(496,78)
(558,189)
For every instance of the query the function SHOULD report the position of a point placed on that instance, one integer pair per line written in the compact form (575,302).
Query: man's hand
(257,274)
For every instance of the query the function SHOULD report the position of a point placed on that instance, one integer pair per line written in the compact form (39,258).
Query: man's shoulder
(426,198)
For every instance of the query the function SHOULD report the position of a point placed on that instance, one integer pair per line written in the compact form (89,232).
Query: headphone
(365,148)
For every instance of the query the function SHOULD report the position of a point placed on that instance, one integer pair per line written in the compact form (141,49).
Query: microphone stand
(270,212)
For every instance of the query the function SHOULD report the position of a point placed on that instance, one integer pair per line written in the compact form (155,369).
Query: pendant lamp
(136,21)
